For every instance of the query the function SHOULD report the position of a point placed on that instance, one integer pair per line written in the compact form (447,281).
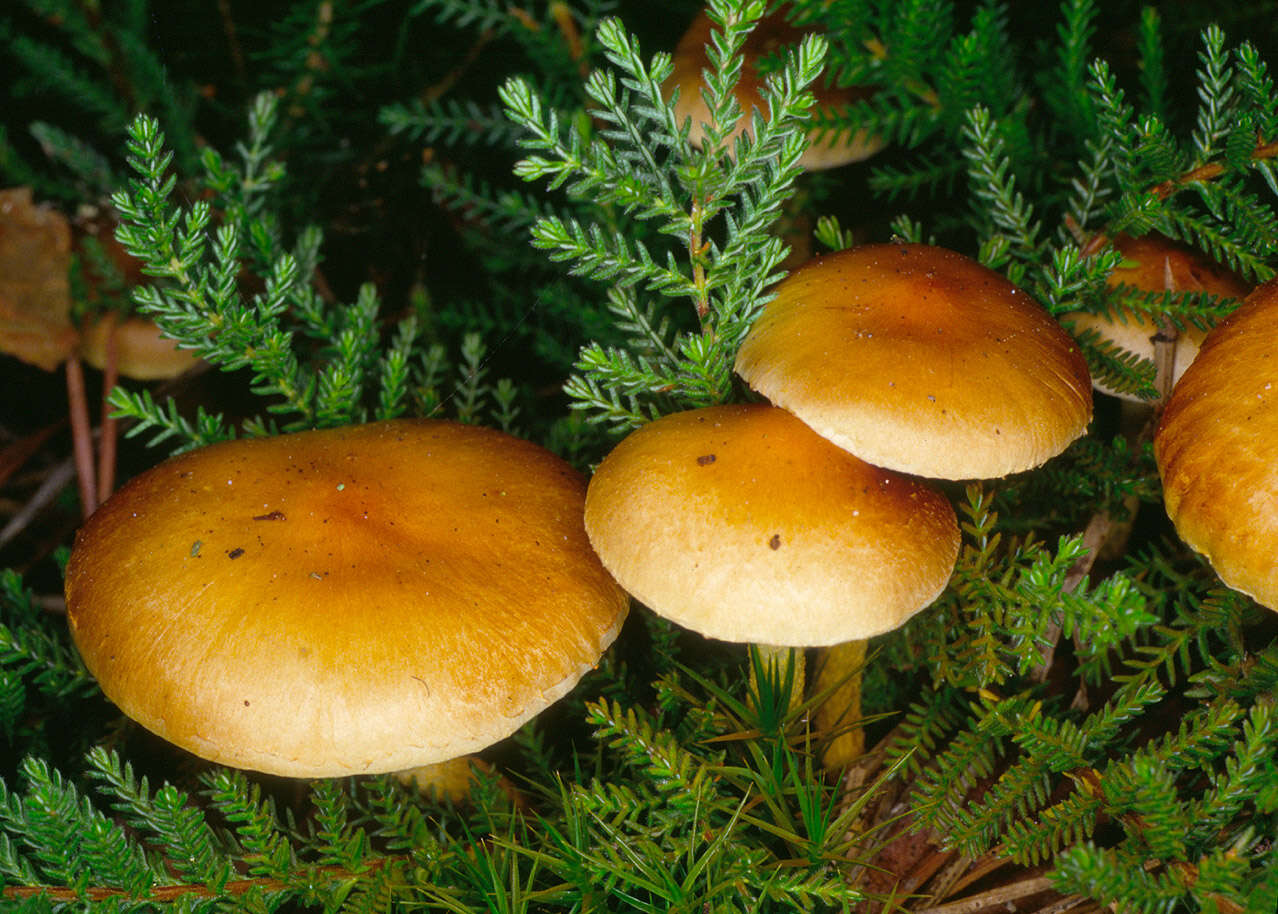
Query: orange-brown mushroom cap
(770,34)
(921,360)
(1217,449)
(1152,263)
(743,524)
(346,601)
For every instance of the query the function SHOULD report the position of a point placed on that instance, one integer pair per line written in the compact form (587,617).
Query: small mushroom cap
(741,523)
(921,360)
(1150,260)
(771,34)
(1153,263)
(345,601)
(1217,449)
(141,351)
(1135,333)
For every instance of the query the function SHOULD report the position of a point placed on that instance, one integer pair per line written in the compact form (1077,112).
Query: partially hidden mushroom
(741,523)
(1154,264)
(772,33)
(1217,449)
(142,351)
(345,601)
(36,254)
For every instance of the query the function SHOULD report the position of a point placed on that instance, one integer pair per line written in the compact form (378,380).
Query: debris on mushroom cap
(741,523)
(1153,263)
(1217,449)
(771,34)
(345,601)
(142,351)
(921,360)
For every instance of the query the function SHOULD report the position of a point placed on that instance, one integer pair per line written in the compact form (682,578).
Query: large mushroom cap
(336,602)
(741,523)
(1217,449)
(922,360)
(771,34)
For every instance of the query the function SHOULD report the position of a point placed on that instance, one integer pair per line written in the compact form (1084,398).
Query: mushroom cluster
(794,524)
(345,601)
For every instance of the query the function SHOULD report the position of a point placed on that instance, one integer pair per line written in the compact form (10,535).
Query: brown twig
(232,41)
(992,898)
(562,14)
(54,481)
(169,893)
(14,455)
(81,435)
(1208,172)
(441,86)
(1165,189)
(1094,535)
(977,871)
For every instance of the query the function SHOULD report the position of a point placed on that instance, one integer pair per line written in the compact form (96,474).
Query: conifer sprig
(711,208)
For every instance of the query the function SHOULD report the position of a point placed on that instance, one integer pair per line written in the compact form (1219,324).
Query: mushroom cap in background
(1151,259)
(1135,333)
(1150,264)
(770,35)
(1217,449)
(346,601)
(741,523)
(35,289)
(142,352)
(921,360)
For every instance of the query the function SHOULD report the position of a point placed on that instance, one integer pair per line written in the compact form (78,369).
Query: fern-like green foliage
(712,209)
(318,363)
(101,64)
(1108,719)
(670,820)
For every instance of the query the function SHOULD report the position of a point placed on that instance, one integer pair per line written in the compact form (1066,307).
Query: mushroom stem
(81,435)
(839,672)
(107,441)
(775,659)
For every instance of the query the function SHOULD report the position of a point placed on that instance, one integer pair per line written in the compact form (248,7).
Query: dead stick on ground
(992,898)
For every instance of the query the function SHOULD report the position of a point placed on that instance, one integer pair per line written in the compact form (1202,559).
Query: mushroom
(36,250)
(142,352)
(1217,449)
(918,359)
(826,149)
(1153,263)
(741,523)
(921,360)
(345,601)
